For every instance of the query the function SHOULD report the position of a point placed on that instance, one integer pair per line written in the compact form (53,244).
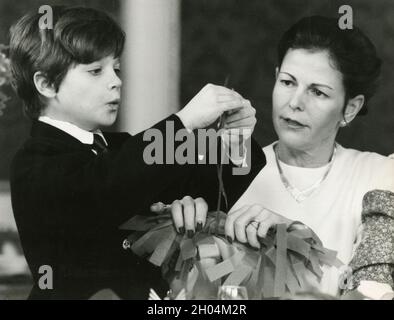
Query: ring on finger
(254,224)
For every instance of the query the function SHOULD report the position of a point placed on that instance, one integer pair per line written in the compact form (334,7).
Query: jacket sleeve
(107,188)
(374,257)
(202,179)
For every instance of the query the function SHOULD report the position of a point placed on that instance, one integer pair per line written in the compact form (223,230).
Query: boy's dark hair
(352,53)
(79,35)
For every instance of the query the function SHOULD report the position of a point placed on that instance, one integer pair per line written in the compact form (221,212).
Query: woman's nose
(297,100)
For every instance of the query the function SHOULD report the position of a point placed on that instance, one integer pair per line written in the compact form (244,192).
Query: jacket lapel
(56,137)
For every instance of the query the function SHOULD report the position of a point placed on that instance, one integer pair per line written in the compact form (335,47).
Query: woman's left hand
(250,222)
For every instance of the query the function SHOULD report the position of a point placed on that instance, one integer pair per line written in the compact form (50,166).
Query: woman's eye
(95,71)
(287,83)
(318,93)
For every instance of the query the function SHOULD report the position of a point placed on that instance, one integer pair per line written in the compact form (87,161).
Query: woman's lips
(293,123)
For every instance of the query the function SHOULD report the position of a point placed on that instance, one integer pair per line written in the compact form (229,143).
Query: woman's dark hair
(352,53)
(79,35)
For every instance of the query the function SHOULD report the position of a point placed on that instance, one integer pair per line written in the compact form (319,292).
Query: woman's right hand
(251,222)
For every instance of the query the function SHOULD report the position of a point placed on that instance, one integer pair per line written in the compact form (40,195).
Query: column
(150,65)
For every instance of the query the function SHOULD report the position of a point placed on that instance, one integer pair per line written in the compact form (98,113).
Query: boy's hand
(241,121)
(239,126)
(208,105)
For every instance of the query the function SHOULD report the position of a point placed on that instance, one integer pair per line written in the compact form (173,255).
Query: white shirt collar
(82,135)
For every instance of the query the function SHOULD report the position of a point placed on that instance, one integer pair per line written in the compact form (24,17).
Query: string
(221,191)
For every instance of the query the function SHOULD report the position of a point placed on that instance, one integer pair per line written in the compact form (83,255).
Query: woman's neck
(309,158)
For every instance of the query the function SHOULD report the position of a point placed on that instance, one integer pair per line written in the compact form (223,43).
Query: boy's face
(89,94)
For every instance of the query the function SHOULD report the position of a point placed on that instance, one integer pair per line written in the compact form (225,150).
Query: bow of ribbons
(204,263)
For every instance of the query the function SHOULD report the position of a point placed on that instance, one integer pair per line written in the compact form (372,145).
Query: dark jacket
(68,204)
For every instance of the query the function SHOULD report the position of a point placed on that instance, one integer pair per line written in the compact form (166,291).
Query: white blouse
(333,210)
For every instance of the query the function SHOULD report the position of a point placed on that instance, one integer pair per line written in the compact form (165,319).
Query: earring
(343,123)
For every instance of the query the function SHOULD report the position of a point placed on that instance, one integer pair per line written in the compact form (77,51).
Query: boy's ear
(353,106)
(43,86)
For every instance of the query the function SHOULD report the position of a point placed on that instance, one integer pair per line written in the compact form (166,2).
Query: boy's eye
(117,70)
(318,93)
(287,83)
(95,71)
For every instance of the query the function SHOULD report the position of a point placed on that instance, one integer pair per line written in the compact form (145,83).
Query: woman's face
(308,99)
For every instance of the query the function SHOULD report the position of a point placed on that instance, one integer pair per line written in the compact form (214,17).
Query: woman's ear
(43,86)
(276,72)
(353,107)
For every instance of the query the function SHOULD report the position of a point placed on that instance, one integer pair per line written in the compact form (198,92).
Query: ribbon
(287,253)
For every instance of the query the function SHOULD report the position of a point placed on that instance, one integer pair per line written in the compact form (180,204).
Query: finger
(177,216)
(240,114)
(236,132)
(189,213)
(201,213)
(225,90)
(221,90)
(251,234)
(229,224)
(229,96)
(231,105)
(237,94)
(253,213)
(244,123)
(265,226)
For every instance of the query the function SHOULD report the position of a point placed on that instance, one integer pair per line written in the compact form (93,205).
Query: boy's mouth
(114,104)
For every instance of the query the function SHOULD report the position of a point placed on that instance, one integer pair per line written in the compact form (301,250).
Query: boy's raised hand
(209,104)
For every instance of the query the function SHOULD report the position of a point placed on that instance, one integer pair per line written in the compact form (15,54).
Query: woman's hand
(250,222)
(188,214)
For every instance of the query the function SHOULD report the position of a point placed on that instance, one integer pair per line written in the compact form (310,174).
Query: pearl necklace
(300,196)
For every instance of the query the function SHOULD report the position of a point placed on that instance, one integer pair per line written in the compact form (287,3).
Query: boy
(72,185)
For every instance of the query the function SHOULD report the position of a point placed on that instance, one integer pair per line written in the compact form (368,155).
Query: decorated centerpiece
(207,266)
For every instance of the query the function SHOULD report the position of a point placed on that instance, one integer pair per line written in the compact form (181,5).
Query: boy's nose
(115,82)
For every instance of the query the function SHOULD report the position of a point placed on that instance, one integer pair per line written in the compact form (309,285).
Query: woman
(324,79)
